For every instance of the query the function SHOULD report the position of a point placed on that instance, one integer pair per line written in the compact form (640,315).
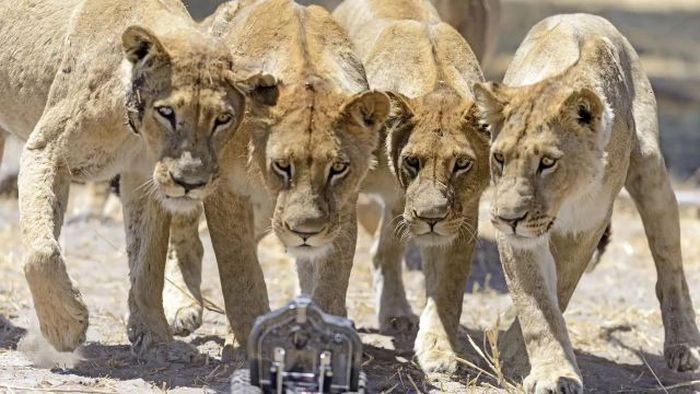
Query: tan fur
(477,20)
(574,123)
(82,82)
(325,120)
(428,69)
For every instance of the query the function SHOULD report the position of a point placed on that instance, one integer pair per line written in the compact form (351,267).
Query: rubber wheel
(240,383)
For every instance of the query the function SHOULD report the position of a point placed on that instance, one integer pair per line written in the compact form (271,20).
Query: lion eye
(338,169)
(547,163)
(283,168)
(463,164)
(223,120)
(412,163)
(498,158)
(166,112)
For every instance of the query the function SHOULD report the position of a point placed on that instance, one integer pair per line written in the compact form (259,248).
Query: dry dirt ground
(613,319)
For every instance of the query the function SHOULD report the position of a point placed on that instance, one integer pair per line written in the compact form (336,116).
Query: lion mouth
(181,204)
(433,238)
(309,252)
(182,198)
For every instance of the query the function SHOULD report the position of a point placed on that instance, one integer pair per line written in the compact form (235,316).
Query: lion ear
(140,44)
(367,110)
(398,128)
(262,89)
(400,110)
(473,118)
(490,99)
(589,111)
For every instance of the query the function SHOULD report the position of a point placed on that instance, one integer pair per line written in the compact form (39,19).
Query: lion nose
(512,220)
(307,228)
(432,215)
(187,184)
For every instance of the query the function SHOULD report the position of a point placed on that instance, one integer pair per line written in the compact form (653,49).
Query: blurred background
(665,33)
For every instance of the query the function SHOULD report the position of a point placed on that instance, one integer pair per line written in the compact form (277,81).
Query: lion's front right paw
(552,381)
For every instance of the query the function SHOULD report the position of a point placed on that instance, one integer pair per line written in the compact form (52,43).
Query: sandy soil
(613,319)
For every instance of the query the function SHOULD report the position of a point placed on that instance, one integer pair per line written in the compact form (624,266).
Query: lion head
(439,154)
(548,149)
(183,100)
(313,150)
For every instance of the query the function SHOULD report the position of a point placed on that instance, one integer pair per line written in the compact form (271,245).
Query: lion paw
(186,320)
(143,340)
(434,354)
(398,324)
(63,316)
(553,382)
(153,348)
(396,317)
(683,357)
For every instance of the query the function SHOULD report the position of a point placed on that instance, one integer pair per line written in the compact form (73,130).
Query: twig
(54,390)
(110,243)
(413,383)
(652,371)
(206,303)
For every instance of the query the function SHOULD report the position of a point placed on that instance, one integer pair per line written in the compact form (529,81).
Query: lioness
(435,167)
(574,122)
(477,20)
(307,156)
(95,95)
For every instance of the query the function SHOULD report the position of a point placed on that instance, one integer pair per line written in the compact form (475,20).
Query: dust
(42,354)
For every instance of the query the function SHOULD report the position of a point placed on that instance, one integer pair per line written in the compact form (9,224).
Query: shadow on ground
(9,334)
(118,362)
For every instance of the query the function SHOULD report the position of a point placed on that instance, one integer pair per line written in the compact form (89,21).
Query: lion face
(439,155)
(548,148)
(314,151)
(182,99)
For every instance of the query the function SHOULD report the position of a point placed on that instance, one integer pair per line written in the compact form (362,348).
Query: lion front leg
(446,271)
(43,194)
(650,187)
(231,225)
(182,298)
(531,275)
(146,226)
(332,272)
(394,312)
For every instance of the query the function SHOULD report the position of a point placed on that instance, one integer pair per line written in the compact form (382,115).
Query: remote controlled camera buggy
(299,349)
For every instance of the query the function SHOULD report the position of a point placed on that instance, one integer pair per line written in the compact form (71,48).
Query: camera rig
(300,349)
